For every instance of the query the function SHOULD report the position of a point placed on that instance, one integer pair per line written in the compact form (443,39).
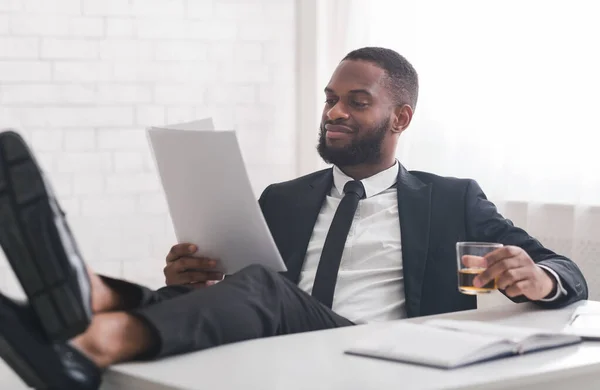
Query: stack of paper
(210,197)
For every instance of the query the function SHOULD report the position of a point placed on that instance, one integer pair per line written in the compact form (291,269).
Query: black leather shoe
(40,363)
(38,244)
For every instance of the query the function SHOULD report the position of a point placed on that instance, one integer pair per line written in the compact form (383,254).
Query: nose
(337,112)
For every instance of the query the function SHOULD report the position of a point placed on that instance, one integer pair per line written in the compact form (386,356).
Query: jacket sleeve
(485,224)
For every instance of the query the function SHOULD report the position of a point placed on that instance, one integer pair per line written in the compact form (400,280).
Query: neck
(362,171)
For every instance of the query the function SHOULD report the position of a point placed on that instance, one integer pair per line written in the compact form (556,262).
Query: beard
(362,150)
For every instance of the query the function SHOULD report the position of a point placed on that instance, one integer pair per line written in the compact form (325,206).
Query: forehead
(354,75)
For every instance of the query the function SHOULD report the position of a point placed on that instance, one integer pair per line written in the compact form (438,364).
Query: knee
(258,271)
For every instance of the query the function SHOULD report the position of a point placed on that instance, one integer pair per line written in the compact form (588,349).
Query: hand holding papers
(209,195)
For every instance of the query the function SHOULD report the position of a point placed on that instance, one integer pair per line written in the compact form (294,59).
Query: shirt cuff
(560,290)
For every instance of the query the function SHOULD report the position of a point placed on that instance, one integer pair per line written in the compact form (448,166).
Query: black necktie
(331,256)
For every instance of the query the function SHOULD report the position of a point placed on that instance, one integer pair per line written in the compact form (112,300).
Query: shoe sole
(38,363)
(38,244)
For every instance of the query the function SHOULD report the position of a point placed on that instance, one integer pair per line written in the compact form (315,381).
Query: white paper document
(210,197)
(585,322)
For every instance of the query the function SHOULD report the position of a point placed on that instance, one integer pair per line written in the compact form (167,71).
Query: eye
(359,104)
(330,101)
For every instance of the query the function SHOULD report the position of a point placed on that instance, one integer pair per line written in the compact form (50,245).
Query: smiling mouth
(334,135)
(338,129)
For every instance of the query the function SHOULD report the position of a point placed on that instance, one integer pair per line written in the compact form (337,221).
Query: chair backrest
(571,230)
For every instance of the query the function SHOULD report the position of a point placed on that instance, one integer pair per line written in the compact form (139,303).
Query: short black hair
(403,81)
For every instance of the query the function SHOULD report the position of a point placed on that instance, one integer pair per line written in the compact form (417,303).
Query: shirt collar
(373,185)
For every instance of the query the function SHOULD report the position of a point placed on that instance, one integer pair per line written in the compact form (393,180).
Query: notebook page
(585,322)
(509,333)
(422,344)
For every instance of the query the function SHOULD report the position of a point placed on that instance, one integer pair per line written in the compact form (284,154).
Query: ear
(402,117)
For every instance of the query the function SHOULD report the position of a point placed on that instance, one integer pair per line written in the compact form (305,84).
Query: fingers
(173,276)
(180,250)
(519,288)
(186,269)
(471,261)
(495,270)
(194,263)
(512,276)
(501,254)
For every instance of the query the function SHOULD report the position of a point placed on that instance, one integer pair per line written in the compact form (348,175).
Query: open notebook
(451,343)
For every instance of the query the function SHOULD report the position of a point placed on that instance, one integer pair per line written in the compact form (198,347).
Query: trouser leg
(253,303)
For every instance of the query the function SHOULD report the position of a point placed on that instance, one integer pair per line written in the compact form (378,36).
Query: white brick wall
(83,78)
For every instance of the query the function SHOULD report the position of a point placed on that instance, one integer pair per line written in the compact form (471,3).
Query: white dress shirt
(370,285)
(370,281)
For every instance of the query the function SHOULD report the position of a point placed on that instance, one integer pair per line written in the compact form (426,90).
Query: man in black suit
(364,241)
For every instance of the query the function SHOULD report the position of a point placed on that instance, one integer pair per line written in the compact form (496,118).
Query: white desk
(315,360)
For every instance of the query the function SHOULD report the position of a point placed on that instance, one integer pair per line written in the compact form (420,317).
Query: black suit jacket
(435,213)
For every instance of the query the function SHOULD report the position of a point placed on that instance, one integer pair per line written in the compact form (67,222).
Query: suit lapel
(306,211)
(414,208)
